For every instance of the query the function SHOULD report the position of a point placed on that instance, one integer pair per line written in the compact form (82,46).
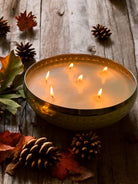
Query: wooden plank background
(64,26)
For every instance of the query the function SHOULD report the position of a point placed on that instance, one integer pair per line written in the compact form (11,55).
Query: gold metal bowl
(79,119)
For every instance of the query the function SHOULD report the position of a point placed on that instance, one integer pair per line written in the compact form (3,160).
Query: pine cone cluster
(39,153)
(4,28)
(101,32)
(25,51)
(86,145)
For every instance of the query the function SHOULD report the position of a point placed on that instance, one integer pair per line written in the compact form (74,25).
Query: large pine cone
(4,28)
(39,153)
(101,32)
(86,145)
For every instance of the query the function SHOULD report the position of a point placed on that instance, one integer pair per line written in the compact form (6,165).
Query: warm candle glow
(51,92)
(71,66)
(80,78)
(105,69)
(47,75)
(99,93)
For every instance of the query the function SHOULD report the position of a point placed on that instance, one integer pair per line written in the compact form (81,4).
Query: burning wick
(47,75)
(80,78)
(71,66)
(105,69)
(51,92)
(99,93)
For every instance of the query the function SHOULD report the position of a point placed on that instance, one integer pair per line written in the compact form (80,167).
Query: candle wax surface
(80,94)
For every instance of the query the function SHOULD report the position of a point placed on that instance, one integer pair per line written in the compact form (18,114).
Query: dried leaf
(11,144)
(8,142)
(69,166)
(11,67)
(11,105)
(11,168)
(25,21)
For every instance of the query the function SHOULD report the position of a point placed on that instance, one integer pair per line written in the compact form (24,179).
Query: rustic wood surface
(64,26)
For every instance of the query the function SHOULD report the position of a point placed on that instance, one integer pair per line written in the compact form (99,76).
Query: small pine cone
(25,51)
(39,153)
(4,28)
(86,145)
(101,32)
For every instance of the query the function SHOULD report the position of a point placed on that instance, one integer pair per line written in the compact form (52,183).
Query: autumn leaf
(25,21)
(11,66)
(69,166)
(10,147)
(11,144)
(8,143)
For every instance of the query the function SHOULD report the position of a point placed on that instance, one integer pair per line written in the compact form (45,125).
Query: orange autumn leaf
(11,144)
(3,69)
(25,21)
(8,142)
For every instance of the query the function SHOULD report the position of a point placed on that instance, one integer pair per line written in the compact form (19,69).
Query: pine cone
(25,52)
(86,145)
(101,32)
(39,153)
(4,28)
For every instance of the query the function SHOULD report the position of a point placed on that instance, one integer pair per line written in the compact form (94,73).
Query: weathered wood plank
(54,28)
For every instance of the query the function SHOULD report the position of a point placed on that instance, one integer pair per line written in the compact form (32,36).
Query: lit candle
(99,93)
(104,74)
(71,66)
(105,69)
(47,75)
(51,92)
(80,78)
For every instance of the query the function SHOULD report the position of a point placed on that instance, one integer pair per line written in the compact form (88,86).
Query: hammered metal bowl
(79,119)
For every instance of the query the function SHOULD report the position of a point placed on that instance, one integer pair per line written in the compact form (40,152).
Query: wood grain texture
(64,26)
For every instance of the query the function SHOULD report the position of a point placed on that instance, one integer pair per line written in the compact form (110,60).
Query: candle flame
(105,69)
(80,77)
(71,66)
(51,92)
(47,75)
(100,92)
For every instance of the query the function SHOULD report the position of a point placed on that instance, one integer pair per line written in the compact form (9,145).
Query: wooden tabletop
(64,26)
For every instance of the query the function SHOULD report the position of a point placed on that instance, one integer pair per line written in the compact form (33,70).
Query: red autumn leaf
(9,138)
(25,21)
(8,142)
(69,166)
(11,167)
(11,144)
